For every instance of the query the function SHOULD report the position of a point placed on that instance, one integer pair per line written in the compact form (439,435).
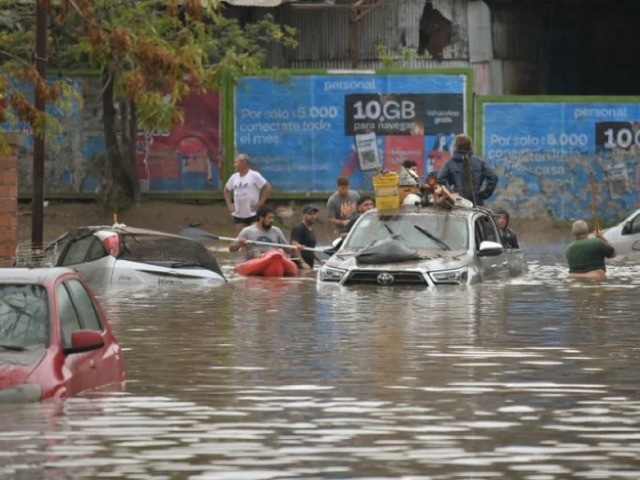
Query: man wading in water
(586,255)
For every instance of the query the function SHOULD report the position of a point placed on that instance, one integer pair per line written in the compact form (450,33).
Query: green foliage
(147,46)
(154,51)
(17,40)
(389,60)
(150,53)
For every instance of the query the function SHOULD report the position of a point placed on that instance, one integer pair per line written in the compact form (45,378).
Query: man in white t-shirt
(250,191)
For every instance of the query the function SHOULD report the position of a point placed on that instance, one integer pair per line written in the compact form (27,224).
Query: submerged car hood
(611,232)
(430,260)
(16,366)
(131,272)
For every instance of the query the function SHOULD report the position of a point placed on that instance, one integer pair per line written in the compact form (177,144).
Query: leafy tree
(17,40)
(149,53)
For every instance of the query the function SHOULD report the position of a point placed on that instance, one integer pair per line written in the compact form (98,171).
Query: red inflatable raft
(273,263)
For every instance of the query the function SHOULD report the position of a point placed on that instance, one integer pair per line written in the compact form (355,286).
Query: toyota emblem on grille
(385,279)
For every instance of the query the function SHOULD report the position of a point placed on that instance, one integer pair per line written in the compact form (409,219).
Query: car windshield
(424,231)
(24,317)
(152,248)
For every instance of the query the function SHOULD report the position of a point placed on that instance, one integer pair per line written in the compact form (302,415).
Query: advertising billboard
(304,132)
(545,153)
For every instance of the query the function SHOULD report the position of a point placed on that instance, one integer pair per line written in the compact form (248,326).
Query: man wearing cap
(302,235)
(365,203)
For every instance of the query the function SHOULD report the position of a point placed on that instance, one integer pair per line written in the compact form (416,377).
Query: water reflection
(535,378)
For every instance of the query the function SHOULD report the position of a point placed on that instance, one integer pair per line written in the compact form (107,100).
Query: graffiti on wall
(304,133)
(188,158)
(545,154)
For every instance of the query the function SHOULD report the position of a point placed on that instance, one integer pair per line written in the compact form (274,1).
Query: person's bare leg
(593,275)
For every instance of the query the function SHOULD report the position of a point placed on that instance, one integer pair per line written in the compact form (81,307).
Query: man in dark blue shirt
(467,174)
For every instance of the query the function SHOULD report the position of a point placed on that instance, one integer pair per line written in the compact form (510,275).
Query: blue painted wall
(545,152)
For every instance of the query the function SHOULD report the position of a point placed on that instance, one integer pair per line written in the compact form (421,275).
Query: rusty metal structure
(368,34)
(350,33)
(513,46)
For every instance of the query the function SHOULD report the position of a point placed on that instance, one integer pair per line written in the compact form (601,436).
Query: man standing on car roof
(470,175)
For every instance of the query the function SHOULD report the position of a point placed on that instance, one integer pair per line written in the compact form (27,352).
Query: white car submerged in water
(125,256)
(625,237)
(423,246)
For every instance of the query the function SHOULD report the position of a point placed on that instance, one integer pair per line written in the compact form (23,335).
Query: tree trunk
(129,164)
(121,185)
(112,160)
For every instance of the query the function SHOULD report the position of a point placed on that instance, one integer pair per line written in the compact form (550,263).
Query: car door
(87,256)
(81,370)
(492,266)
(108,359)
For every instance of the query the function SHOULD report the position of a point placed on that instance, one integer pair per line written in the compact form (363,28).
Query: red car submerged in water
(55,340)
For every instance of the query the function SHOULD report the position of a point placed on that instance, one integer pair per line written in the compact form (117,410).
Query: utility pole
(37,197)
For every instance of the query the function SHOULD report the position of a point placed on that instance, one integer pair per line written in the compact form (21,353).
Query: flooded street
(533,379)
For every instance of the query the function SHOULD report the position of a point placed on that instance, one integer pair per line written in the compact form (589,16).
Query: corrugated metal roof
(276,3)
(256,3)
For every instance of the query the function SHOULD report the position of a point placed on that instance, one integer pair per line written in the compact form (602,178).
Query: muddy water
(534,379)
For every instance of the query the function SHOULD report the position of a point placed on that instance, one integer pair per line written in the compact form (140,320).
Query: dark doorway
(435,32)
(594,47)
(590,47)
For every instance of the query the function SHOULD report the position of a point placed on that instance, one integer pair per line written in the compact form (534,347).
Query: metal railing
(35,256)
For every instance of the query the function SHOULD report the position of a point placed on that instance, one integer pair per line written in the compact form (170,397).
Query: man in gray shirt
(261,231)
(341,206)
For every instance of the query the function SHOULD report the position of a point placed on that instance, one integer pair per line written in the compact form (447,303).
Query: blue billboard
(546,152)
(304,132)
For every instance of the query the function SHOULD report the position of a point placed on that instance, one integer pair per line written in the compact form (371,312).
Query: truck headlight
(330,274)
(454,277)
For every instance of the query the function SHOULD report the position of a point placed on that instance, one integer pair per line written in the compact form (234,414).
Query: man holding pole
(586,255)
(262,231)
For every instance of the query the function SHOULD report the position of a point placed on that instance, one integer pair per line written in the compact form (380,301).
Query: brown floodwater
(535,378)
